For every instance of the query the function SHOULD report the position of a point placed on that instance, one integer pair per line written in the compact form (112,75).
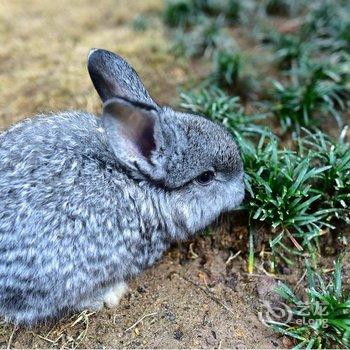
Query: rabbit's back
(68,221)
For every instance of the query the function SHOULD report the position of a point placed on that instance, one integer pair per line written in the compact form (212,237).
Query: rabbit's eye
(206,177)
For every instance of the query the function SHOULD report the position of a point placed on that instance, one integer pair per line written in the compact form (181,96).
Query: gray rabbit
(87,202)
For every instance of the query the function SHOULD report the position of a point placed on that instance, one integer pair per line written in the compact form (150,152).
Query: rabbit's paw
(114,294)
(91,304)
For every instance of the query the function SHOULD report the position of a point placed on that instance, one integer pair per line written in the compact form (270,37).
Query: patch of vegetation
(230,9)
(280,183)
(296,193)
(334,183)
(222,108)
(299,194)
(180,13)
(323,31)
(322,321)
(230,72)
(289,49)
(140,23)
(315,92)
(201,25)
(228,67)
(207,37)
(187,13)
(327,26)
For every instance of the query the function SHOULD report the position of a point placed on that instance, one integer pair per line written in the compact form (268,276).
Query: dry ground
(193,298)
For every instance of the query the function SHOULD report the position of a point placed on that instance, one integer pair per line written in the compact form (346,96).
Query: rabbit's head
(192,163)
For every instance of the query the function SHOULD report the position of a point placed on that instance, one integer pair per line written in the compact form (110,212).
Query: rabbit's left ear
(130,129)
(112,76)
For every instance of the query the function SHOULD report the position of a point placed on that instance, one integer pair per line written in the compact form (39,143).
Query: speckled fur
(76,217)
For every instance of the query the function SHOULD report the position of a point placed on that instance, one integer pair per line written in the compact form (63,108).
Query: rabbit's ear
(130,129)
(112,76)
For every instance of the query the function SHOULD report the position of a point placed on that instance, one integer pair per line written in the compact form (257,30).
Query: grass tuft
(316,91)
(289,49)
(323,319)
(231,9)
(215,104)
(327,26)
(281,193)
(179,13)
(203,40)
(334,183)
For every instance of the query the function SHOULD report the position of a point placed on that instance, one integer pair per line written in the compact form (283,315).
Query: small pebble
(141,289)
(178,334)
(287,342)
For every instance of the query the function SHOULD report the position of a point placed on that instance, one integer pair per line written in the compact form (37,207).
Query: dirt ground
(198,295)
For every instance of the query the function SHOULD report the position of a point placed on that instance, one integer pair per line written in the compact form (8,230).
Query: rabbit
(87,202)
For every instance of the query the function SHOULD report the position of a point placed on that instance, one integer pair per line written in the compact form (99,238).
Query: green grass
(201,25)
(289,49)
(215,104)
(296,193)
(299,194)
(207,37)
(324,27)
(179,13)
(322,320)
(141,23)
(187,13)
(280,185)
(327,25)
(233,72)
(315,91)
(324,30)
(230,9)
(333,184)
(228,66)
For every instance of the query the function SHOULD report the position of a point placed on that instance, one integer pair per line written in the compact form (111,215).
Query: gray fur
(84,207)
(105,68)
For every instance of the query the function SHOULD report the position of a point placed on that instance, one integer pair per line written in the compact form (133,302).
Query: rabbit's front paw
(91,304)
(114,294)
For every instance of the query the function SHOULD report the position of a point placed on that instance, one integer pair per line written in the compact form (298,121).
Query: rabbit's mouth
(193,216)
(238,198)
